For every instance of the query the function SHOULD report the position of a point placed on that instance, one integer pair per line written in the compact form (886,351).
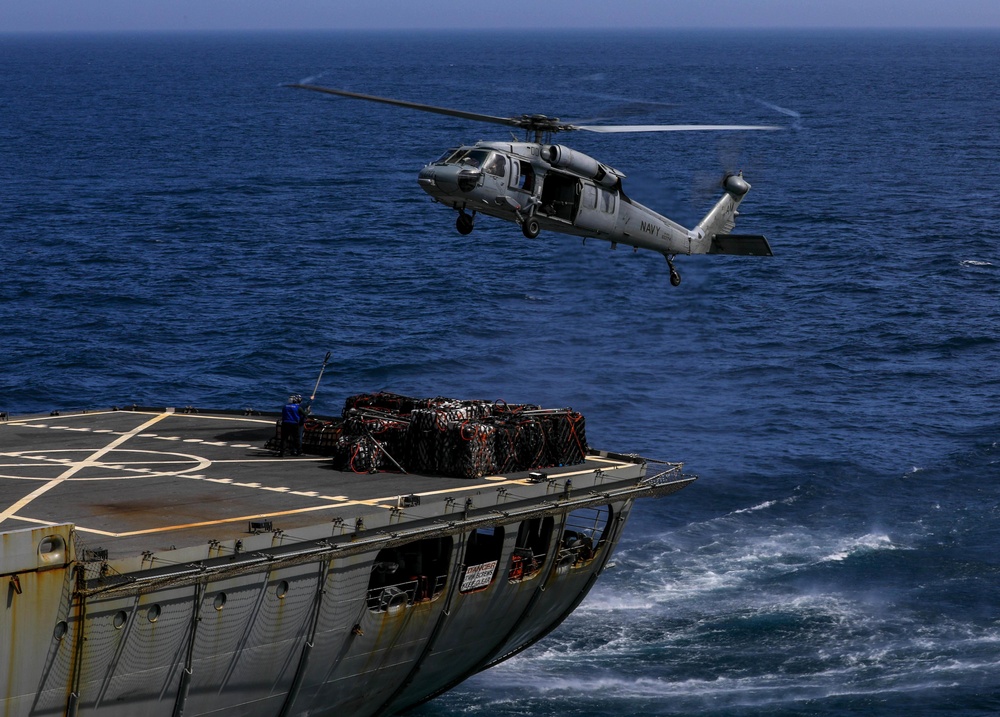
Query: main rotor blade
(535,123)
(671,127)
(511,122)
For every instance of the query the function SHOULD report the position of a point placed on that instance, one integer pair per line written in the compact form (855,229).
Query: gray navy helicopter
(539,185)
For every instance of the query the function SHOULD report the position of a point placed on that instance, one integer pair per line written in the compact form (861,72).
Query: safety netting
(443,436)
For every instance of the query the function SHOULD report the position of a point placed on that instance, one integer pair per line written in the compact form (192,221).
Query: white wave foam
(609,666)
(760,691)
(754,508)
(863,544)
(600,602)
(724,563)
(762,506)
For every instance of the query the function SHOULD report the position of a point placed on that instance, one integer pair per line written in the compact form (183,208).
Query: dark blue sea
(177,228)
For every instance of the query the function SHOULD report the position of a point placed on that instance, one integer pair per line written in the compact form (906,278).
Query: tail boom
(712,235)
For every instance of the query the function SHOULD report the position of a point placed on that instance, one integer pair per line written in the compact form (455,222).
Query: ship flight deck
(135,481)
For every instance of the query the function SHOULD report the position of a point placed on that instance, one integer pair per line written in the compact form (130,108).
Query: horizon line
(935,29)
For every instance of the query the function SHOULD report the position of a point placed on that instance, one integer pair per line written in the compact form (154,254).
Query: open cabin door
(560,196)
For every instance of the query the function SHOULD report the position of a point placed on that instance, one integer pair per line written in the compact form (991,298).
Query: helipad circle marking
(140,467)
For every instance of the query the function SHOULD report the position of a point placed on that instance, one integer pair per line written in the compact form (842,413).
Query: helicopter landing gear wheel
(675,277)
(465,223)
(530,228)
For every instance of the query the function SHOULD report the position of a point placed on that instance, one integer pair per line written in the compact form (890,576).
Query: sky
(213,15)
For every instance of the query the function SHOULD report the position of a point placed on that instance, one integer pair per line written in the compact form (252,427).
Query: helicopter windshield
(443,159)
(474,158)
(468,157)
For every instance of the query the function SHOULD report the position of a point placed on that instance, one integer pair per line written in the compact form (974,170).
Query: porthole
(153,614)
(281,589)
(60,630)
(121,617)
(220,601)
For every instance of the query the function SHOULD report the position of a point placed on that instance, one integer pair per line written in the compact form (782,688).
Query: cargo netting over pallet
(443,436)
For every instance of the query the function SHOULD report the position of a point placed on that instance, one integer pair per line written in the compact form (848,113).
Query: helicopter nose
(430,182)
(448,179)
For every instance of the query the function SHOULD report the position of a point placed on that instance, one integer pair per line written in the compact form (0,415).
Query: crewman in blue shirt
(293,418)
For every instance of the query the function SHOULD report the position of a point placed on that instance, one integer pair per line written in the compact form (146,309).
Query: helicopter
(540,185)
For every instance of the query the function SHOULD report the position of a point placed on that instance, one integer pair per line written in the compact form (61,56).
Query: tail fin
(713,230)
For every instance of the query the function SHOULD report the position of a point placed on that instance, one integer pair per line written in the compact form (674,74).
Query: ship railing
(421,588)
(583,535)
(580,553)
(669,473)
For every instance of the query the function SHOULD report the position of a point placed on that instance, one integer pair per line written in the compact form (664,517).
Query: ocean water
(177,228)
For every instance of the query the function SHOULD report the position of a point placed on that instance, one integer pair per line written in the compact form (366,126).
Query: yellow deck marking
(36,419)
(37,521)
(168,411)
(255,460)
(241,419)
(77,466)
(221,521)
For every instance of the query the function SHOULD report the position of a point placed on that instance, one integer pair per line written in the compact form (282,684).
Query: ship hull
(363,615)
(297,640)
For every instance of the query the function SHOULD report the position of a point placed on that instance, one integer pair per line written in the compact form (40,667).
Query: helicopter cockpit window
(474,158)
(465,156)
(447,156)
(497,166)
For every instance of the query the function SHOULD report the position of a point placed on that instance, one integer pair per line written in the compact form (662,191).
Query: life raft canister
(517,567)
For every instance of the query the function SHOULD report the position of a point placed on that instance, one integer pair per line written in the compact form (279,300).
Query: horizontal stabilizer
(740,244)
